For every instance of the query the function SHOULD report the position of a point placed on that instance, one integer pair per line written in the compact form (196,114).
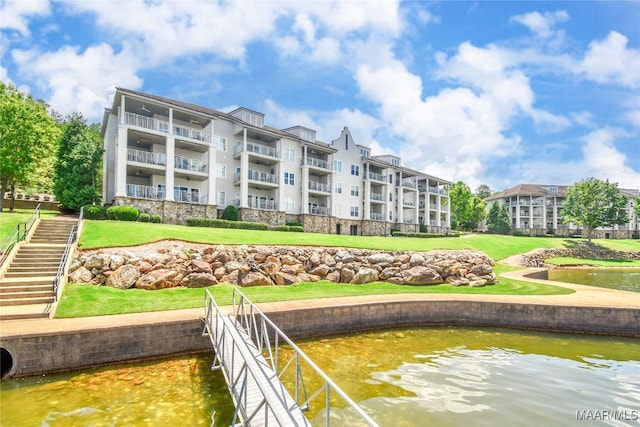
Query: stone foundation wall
(376,228)
(271,218)
(170,212)
(317,223)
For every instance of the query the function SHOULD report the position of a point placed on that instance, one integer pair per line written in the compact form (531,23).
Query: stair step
(8,290)
(24,316)
(38,281)
(31,294)
(25,301)
(11,274)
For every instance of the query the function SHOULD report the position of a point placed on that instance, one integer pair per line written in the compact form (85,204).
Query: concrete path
(585,296)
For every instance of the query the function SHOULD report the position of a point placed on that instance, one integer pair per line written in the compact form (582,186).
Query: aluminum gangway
(248,350)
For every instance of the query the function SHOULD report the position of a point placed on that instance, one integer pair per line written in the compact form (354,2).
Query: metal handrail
(65,255)
(16,235)
(263,332)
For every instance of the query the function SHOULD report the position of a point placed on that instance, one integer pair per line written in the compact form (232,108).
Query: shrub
(519,233)
(123,213)
(144,217)
(19,196)
(423,228)
(294,228)
(421,235)
(294,224)
(230,213)
(36,197)
(156,219)
(223,223)
(94,212)
(47,198)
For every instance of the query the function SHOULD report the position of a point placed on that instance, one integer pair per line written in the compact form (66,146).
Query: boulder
(198,266)
(364,275)
(96,261)
(381,258)
(199,280)
(306,277)
(283,279)
(416,259)
(293,268)
(321,270)
(80,275)
(124,277)
(115,261)
(231,278)
(157,279)
(253,278)
(457,281)
(346,275)
(333,276)
(421,275)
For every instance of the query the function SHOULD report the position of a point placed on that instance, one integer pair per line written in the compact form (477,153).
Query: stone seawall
(69,344)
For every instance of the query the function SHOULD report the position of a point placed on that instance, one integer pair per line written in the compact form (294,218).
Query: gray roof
(535,190)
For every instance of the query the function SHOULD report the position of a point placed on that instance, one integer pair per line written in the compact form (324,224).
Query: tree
(466,208)
(483,191)
(593,203)
(498,219)
(78,168)
(27,139)
(230,213)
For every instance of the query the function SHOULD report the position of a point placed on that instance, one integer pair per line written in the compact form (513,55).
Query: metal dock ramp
(246,345)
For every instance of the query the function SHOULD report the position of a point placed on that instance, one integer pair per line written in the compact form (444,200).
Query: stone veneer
(170,212)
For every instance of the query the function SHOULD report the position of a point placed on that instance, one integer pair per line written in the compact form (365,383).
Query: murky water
(406,377)
(627,278)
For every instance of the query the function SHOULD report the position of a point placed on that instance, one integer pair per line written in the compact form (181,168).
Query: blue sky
(496,93)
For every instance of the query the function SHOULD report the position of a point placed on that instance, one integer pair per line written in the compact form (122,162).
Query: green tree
(483,191)
(593,203)
(467,209)
(28,136)
(78,168)
(498,219)
(230,213)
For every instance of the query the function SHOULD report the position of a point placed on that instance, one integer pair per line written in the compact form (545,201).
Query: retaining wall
(32,354)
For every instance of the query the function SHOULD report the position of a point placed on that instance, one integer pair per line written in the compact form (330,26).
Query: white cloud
(602,158)
(542,24)
(16,13)
(610,61)
(79,81)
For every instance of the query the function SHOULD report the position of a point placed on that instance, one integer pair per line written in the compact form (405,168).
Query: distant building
(537,210)
(180,160)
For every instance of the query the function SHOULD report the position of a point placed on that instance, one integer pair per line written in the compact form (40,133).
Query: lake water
(626,278)
(403,377)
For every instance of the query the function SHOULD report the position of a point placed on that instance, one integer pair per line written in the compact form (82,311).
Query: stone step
(31,273)
(25,312)
(27,301)
(12,289)
(28,281)
(28,294)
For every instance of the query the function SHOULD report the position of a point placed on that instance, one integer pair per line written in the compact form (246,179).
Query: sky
(490,92)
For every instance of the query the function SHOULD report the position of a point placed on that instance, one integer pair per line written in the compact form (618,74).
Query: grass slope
(8,220)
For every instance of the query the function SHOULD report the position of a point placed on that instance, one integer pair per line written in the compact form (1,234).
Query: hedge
(144,217)
(423,235)
(123,213)
(294,228)
(94,212)
(294,224)
(223,223)
(156,219)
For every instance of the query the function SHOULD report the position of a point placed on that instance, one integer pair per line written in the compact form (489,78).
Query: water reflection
(626,279)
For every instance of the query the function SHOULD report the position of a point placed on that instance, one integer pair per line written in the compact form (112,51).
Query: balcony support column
(400,199)
(367,193)
(169,178)
(305,181)
(121,162)
(244,172)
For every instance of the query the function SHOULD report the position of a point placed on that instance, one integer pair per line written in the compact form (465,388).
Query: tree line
(39,147)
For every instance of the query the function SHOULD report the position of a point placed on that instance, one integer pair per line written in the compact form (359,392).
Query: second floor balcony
(192,165)
(379,197)
(376,216)
(319,187)
(145,192)
(146,157)
(319,210)
(377,177)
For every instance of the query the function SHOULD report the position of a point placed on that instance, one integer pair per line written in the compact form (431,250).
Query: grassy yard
(8,220)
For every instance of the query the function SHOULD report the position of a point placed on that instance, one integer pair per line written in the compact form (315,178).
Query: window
(353,211)
(395,162)
(355,191)
(355,170)
(337,165)
(364,153)
(220,143)
(391,197)
(390,178)
(288,178)
(221,170)
(338,210)
(339,187)
(221,198)
(290,154)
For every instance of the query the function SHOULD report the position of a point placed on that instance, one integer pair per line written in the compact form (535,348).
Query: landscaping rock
(124,277)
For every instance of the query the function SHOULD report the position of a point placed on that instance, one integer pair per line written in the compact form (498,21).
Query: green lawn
(98,234)
(8,220)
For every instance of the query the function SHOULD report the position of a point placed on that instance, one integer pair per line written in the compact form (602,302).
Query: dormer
(393,160)
(302,132)
(249,116)
(365,151)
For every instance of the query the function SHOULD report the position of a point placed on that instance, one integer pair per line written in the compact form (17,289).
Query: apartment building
(181,160)
(537,210)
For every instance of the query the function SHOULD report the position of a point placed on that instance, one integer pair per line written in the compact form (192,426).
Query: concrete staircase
(26,289)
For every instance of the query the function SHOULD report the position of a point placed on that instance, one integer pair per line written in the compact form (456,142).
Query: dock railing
(294,368)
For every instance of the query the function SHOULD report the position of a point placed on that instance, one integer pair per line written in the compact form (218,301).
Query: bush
(294,224)
(519,233)
(19,196)
(144,217)
(423,228)
(223,223)
(421,235)
(230,213)
(47,198)
(123,213)
(294,228)
(94,212)
(156,219)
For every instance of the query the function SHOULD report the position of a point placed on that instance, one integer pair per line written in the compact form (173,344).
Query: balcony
(318,163)
(320,187)
(377,177)
(146,157)
(319,210)
(409,183)
(144,192)
(377,197)
(408,220)
(260,149)
(192,165)
(376,216)
(189,133)
(188,197)
(158,125)
(409,203)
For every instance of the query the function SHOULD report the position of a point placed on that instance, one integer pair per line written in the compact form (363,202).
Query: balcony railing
(377,196)
(409,183)
(193,165)
(318,163)
(318,186)
(189,132)
(319,210)
(376,216)
(408,203)
(189,197)
(151,123)
(408,220)
(147,157)
(377,177)
(263,150)
(269,178)
(144,192)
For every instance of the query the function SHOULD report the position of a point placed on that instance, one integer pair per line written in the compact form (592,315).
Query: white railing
(189,132)
(263,150)
(285,359)
(144,192)
(318,163)
(189,197)
(409,183)
(408,220)
(376,216)
(256,203)
(147,157)
(408,203)
(318,186)
(376,196)
(377,177)
(146,122)
(260,176)
(186,163)
(319,210)
(18,234)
